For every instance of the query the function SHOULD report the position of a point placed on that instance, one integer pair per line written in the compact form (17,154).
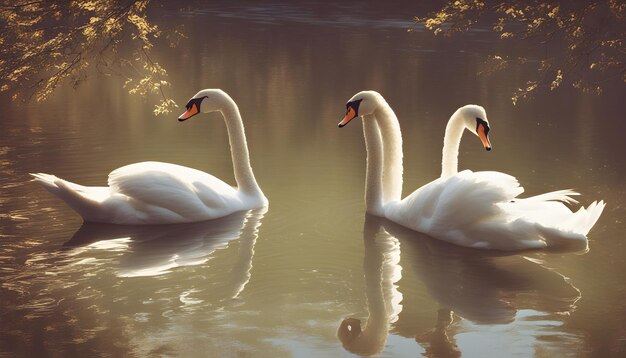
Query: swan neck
(374,166)
(392,152)
(451,142)
(246,182)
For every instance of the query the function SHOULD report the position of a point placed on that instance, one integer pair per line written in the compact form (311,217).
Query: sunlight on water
(120,244)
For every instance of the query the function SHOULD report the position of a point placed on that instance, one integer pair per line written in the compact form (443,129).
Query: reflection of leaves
(46,43)
(586,39)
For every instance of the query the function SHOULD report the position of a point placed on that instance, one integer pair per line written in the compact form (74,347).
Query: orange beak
(349,116)
(484,137)
(192,111)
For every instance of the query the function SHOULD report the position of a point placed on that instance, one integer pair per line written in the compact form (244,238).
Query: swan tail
(549,210)
(559,195)
(73,195)
(572,235)
(585,218)
(47,181)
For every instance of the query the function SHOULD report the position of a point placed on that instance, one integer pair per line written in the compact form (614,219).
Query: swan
(473,209)
(162,193)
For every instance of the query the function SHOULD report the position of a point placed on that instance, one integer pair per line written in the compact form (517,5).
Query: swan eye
(196,101)
(354,105)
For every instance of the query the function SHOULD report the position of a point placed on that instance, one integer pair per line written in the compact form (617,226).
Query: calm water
(303,278)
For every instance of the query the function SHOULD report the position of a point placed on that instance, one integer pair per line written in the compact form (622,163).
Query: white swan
(162,193)
(480,209)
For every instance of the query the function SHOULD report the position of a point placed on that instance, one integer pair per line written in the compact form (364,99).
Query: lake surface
(311,276)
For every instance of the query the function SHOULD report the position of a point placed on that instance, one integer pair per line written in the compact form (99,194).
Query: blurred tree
(43,43)
(584,40)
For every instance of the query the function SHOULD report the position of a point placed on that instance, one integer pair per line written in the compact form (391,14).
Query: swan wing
(190,193)
(463,209)
(481,210)
(455,201)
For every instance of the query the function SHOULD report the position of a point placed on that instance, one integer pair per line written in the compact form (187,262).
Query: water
(302,278)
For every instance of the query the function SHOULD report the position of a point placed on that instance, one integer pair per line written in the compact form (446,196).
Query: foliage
(583,40)
(43,43)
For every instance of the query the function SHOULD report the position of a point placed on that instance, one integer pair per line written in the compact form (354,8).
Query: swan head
(205,101)
(474,118)
(361,104)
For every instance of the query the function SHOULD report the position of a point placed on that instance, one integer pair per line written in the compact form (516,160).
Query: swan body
(163,193)
(473,209)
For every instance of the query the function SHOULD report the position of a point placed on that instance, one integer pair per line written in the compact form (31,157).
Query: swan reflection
(382,271)
(159,249)
(477,291)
